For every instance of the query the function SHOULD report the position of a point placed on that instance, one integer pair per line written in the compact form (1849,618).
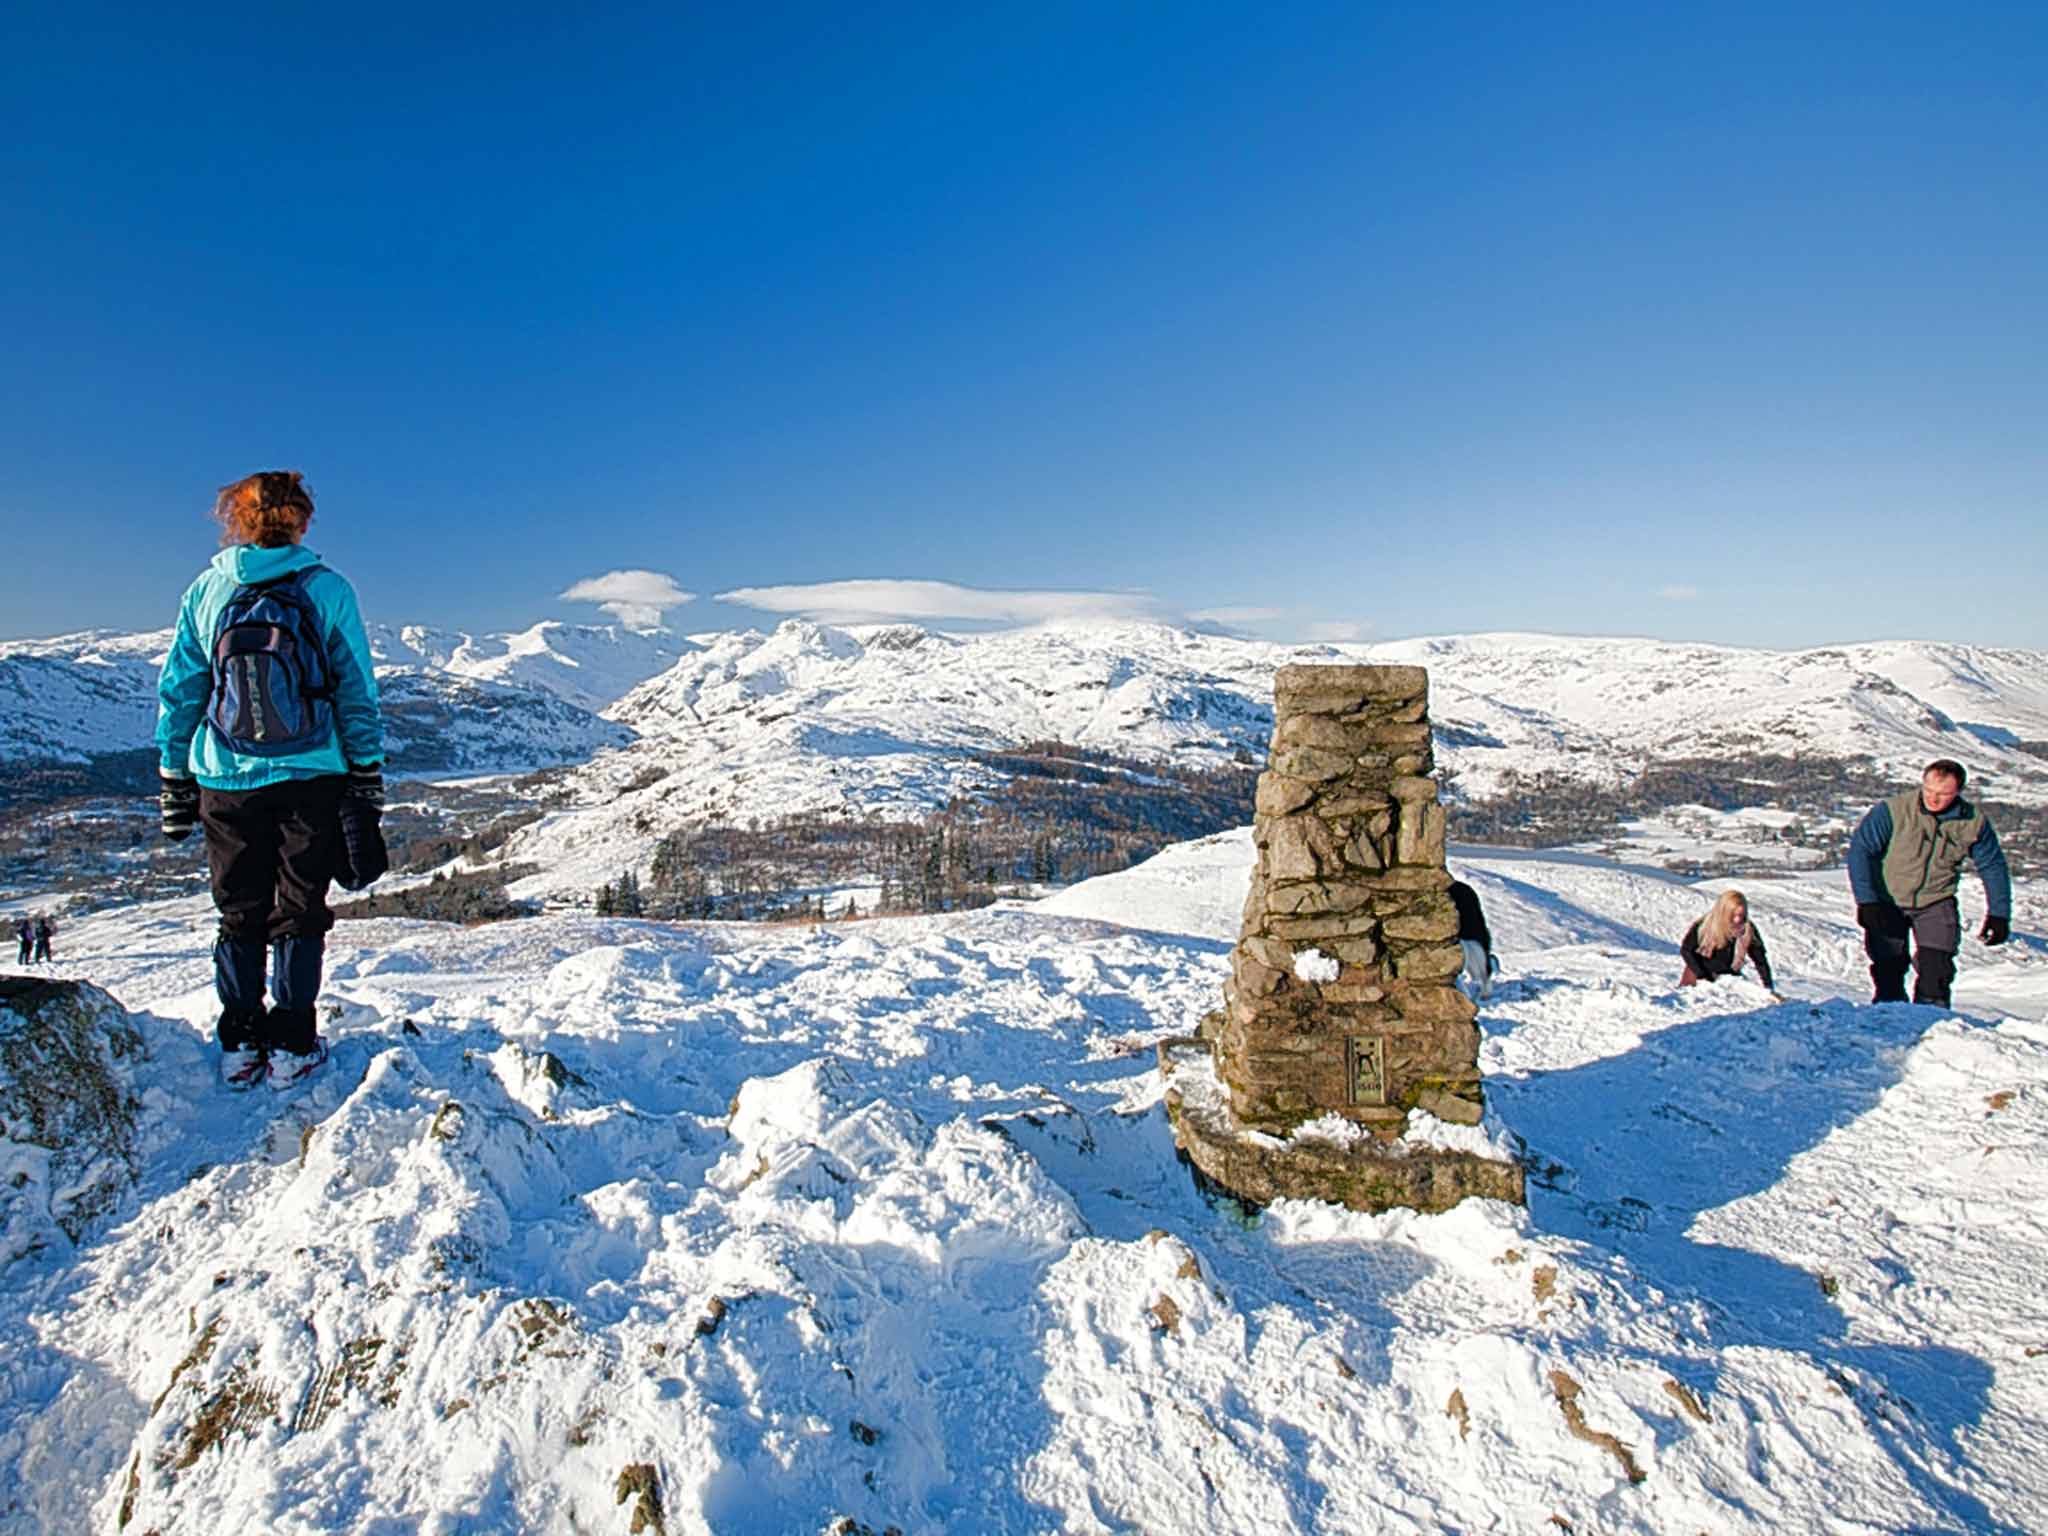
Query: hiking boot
(288,1069)
(243,1067)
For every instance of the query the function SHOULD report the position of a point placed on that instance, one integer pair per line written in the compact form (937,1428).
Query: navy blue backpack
(273,686)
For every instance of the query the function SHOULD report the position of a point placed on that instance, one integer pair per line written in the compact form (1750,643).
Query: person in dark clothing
(43,932)
(1475,938)
(1905,863)
(1722,942)
(268,718)
(27,935)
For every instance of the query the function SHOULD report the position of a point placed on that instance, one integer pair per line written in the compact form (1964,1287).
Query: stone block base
(1366,1175)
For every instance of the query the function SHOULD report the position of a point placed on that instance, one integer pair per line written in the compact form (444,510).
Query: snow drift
(878,1224)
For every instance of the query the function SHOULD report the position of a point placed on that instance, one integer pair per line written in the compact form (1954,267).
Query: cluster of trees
(478,897)
(419,839)
(621,897)
(41,783)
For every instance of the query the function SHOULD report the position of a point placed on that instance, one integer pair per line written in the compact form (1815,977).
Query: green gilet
(1924,859)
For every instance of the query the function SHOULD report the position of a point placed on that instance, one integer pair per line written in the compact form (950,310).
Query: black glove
(366,786)
(363,855)
(1996,930)
(1881,917)
(179,801)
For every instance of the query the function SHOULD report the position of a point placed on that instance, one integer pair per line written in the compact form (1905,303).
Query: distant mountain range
(648,731)
(452,702)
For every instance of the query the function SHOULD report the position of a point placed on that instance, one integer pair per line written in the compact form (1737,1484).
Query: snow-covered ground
(880,1222)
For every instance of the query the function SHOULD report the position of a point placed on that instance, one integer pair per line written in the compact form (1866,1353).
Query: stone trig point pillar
(1342,995)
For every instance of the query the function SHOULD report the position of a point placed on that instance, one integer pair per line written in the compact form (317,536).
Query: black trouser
(271,852)
(1936,932)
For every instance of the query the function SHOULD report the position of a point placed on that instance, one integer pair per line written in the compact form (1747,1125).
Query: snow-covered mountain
(440,722)
(453,702)
(588,665)
(891,718)
(594,1226)
(811,718)
(74,697)
(1590,709)
(732,704)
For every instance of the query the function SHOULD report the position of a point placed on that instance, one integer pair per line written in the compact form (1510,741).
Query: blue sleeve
(357,714)
(1866,854)
(1990,861)
(182,688)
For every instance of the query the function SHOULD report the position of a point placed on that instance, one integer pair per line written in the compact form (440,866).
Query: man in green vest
(1904,864)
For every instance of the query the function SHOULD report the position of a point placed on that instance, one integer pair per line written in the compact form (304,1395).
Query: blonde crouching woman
(1722,942)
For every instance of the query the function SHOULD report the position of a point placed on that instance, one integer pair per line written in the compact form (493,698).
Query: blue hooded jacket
(185,745)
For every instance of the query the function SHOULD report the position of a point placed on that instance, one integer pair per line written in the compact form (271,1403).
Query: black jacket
(1711,965)
(1471,921)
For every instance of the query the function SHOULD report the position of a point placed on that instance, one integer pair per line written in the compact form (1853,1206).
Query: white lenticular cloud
(636,599)
(1336,631)
(1237,618)
(1678,593)
(877,601)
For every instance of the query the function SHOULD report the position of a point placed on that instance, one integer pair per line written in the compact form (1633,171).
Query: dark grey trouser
(1935,934)
(272,852)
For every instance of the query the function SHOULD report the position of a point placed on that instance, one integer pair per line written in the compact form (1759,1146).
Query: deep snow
(882,1221)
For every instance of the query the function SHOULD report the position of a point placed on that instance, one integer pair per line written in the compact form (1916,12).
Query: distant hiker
(1720,943)
(1905,862)
(267,723)
(27,935)
(1475,938)
(44,929)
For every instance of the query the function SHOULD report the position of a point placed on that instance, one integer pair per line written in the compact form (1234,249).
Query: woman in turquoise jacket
(268,734)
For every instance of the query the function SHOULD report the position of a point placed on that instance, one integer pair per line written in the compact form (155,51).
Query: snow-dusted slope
(1116,687)
(806,704)
(813,718)
(72,697)
(1536,703)
(438,722)
(589,665)
(452,702)
(1599,709)
(887,718)
(881,1222)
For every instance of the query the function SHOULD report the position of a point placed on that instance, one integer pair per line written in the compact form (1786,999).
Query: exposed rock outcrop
(68,1110)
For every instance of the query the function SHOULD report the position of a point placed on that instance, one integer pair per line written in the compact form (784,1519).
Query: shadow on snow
(1626,1153)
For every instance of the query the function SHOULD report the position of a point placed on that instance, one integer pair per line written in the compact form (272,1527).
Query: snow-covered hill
(439,722)
(75,697)
(589,665)
(453,702)
(812,718)
(891,718)
(1582,707)
(879,1225)
(790,710)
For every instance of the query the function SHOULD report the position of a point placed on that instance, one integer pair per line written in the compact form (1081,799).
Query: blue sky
(1717,322)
